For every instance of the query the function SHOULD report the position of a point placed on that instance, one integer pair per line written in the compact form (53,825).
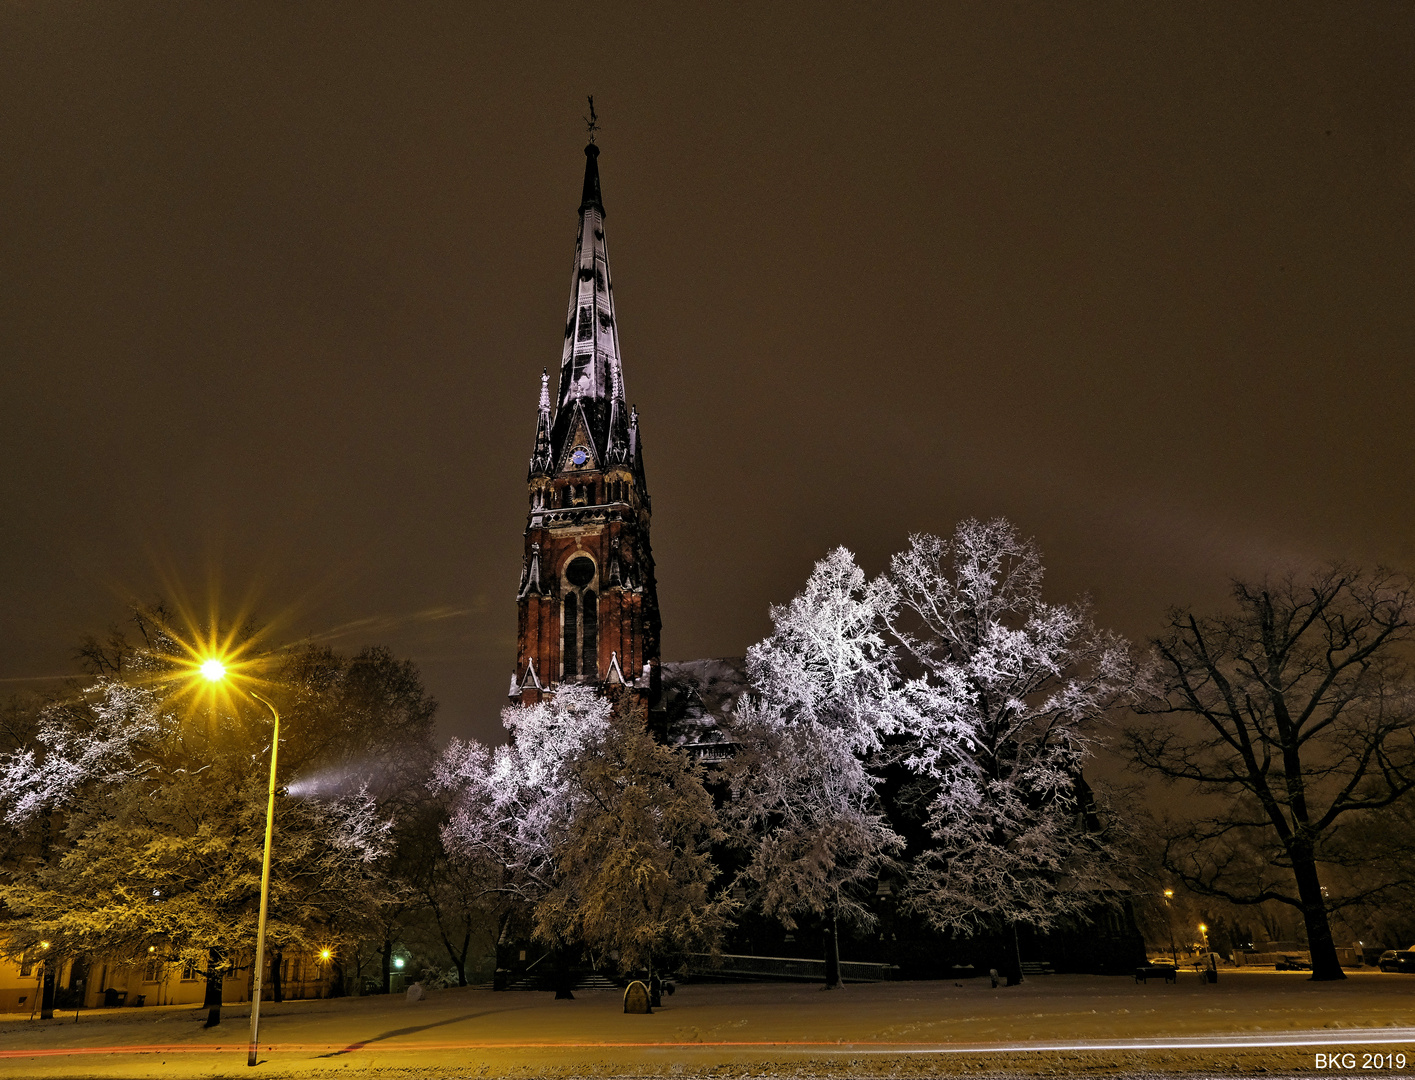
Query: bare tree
(1296,711)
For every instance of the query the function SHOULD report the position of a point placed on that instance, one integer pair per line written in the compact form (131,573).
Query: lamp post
(1169,918)
(264,883)
(215,671)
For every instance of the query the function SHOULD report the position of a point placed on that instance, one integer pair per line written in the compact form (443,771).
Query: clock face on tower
(579,455)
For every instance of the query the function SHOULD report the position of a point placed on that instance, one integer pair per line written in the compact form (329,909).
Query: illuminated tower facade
(587,602)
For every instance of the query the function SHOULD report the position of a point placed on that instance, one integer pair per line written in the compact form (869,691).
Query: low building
(92,982)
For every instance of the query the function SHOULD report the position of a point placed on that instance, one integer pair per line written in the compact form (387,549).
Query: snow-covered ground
(1059,1025)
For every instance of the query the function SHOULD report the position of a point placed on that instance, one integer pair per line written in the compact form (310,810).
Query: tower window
(582,360)
(586,324)
(580,572)
(591,609)
(570,653)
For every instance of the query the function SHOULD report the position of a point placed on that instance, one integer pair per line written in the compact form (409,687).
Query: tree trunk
(460,962)
(212,1003)
(387,966)
(277,987)
(564,977)
(1012,966)
(46,998)
(1325,965)
(832,954)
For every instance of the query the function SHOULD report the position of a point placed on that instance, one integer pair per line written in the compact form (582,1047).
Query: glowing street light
(215,671)
(1169,920)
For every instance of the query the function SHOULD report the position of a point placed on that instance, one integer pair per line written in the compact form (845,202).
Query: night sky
(277,283)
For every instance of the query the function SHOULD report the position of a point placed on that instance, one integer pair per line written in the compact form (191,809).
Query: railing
(786,969)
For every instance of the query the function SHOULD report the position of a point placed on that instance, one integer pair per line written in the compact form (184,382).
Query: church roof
(591,381)
(698,697)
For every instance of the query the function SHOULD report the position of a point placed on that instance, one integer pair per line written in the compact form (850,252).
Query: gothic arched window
(571,654)
(580,615)
(591,635)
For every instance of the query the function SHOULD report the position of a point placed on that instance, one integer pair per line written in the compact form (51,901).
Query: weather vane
(592,121)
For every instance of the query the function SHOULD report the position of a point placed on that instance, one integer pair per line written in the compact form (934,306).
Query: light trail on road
(1343,1037)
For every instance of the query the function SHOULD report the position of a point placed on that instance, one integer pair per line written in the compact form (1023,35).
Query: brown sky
(277,283)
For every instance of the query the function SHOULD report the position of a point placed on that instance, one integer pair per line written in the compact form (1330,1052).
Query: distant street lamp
(1169,918)
(215,671)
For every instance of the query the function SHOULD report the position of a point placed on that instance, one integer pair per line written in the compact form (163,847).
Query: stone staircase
(587,980)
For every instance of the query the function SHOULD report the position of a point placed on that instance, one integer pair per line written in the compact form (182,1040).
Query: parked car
(1398,960)
(1293,963)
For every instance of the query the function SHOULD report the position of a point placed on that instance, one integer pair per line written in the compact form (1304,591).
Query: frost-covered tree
(804,807)
(146,849)
(136,759)
(598,831)
(1003,707)
(511,803)
(635,876)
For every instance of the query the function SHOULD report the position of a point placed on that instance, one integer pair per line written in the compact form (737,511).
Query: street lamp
(215,671)
(1169,918)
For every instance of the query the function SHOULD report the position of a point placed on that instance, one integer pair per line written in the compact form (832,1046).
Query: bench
(1145,972)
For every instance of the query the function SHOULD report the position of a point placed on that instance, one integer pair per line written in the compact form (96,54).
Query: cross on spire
(592,121)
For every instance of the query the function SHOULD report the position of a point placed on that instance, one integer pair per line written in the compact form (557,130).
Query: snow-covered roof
(697,696)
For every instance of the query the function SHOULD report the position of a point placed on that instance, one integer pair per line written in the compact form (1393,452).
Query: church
(587,605)
(587,602)
(587,614)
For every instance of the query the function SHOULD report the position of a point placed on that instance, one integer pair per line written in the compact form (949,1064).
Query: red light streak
(1347,1036)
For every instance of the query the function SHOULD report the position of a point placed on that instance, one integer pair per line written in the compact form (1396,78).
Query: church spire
(541,454)
(590,369)
(590,196)
(588,601)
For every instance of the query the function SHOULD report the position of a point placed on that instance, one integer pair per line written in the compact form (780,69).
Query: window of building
(570,652)
(580,611)
(189,971)
(586,327)
(591,636)
(152,972)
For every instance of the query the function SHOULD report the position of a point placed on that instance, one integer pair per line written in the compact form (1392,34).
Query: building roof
(590,386)
(698,697)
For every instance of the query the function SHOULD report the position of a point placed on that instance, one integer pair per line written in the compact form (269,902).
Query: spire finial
(544,390)
(592,121)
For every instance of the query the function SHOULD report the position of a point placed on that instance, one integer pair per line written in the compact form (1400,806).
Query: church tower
(587,602)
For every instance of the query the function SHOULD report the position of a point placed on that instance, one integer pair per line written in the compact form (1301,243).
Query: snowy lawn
(910,1029)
